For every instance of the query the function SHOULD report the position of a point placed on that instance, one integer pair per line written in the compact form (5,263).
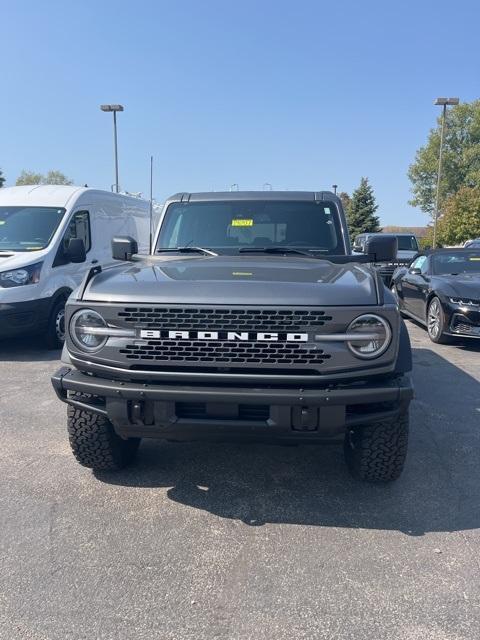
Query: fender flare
(404,359)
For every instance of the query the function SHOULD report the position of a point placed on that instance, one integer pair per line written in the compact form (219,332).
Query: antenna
(151,202)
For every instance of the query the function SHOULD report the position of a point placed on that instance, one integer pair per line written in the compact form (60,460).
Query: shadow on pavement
(309,485)
(26,349)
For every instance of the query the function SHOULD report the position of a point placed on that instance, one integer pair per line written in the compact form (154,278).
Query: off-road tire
(94,442)
(377,452)
(52,337)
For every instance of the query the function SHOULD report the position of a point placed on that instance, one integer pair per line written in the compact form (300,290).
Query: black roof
(207,196)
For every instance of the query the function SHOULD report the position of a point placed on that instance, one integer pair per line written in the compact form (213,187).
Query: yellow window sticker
(242,222)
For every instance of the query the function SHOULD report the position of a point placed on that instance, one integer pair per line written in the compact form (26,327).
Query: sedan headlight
(374,336)
(22,276)
(88,330)
(465,302)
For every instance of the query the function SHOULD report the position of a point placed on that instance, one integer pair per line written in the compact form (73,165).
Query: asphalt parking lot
(240,541)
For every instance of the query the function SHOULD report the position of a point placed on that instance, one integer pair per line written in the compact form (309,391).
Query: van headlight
(22,276)
(374,336)
(88,330)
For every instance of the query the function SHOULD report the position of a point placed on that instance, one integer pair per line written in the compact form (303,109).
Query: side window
(424,265)
(420,263)
(79,227)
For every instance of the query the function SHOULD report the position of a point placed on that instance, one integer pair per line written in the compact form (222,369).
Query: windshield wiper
(277,250)
(207,252)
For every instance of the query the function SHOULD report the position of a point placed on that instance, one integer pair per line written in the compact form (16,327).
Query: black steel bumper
(17,318)
(180,412)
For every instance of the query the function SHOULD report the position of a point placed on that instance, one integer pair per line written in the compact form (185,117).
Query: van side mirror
(415,271)
(124,247)
(76,251)
(381,248)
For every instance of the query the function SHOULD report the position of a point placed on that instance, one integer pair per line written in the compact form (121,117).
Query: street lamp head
(446,101)
(111,107)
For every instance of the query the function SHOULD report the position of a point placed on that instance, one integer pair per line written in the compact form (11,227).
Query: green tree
(2,179)
(461,217)
(53,177)
(56,177)
(29,177)
(346,201)
(361,216)
(461,158)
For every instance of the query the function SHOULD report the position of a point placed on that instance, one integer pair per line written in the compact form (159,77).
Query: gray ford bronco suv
(249,319)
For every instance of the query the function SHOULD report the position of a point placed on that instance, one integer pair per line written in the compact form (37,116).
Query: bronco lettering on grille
(233,336)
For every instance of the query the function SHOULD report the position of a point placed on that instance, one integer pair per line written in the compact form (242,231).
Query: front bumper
(464,323)
(17,318)
(181,412)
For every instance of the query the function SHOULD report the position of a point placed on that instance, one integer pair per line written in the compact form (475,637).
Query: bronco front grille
(224,319)
(225,353)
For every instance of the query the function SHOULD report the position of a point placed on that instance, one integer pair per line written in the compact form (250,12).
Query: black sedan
(441,289)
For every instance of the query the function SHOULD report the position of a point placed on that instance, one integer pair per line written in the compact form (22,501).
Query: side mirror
(382,248)
(415,271)
(76,251)
(123,248)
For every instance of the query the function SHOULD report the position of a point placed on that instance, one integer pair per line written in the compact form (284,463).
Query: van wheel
(377,452)
(94,442)
(55,336)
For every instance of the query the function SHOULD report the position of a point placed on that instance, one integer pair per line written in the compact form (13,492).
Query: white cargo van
(43,230)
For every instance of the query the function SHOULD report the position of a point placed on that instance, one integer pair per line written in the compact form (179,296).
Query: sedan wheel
(436,322)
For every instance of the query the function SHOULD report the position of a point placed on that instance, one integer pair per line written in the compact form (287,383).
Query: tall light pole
(335,187)
(441,102)
(114,108)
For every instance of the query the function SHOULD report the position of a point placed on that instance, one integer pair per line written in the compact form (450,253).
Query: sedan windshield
(455,263)
(228,227)
(28,228)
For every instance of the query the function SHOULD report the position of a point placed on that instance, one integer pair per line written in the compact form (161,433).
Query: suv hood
(406,255)
(235,280)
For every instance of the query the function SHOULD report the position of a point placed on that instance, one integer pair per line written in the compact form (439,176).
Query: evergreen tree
(361,216)
(2,179)
(346,201)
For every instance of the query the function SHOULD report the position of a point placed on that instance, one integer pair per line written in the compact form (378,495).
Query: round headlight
(86,330)
(374,337)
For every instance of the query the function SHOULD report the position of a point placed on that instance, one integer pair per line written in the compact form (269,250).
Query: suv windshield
(227,227)
(407,243)
(28,228)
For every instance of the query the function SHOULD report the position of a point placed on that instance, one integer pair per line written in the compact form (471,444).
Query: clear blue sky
(300,94)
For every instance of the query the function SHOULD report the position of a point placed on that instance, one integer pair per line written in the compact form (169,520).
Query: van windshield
(229,226)
(28,228)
